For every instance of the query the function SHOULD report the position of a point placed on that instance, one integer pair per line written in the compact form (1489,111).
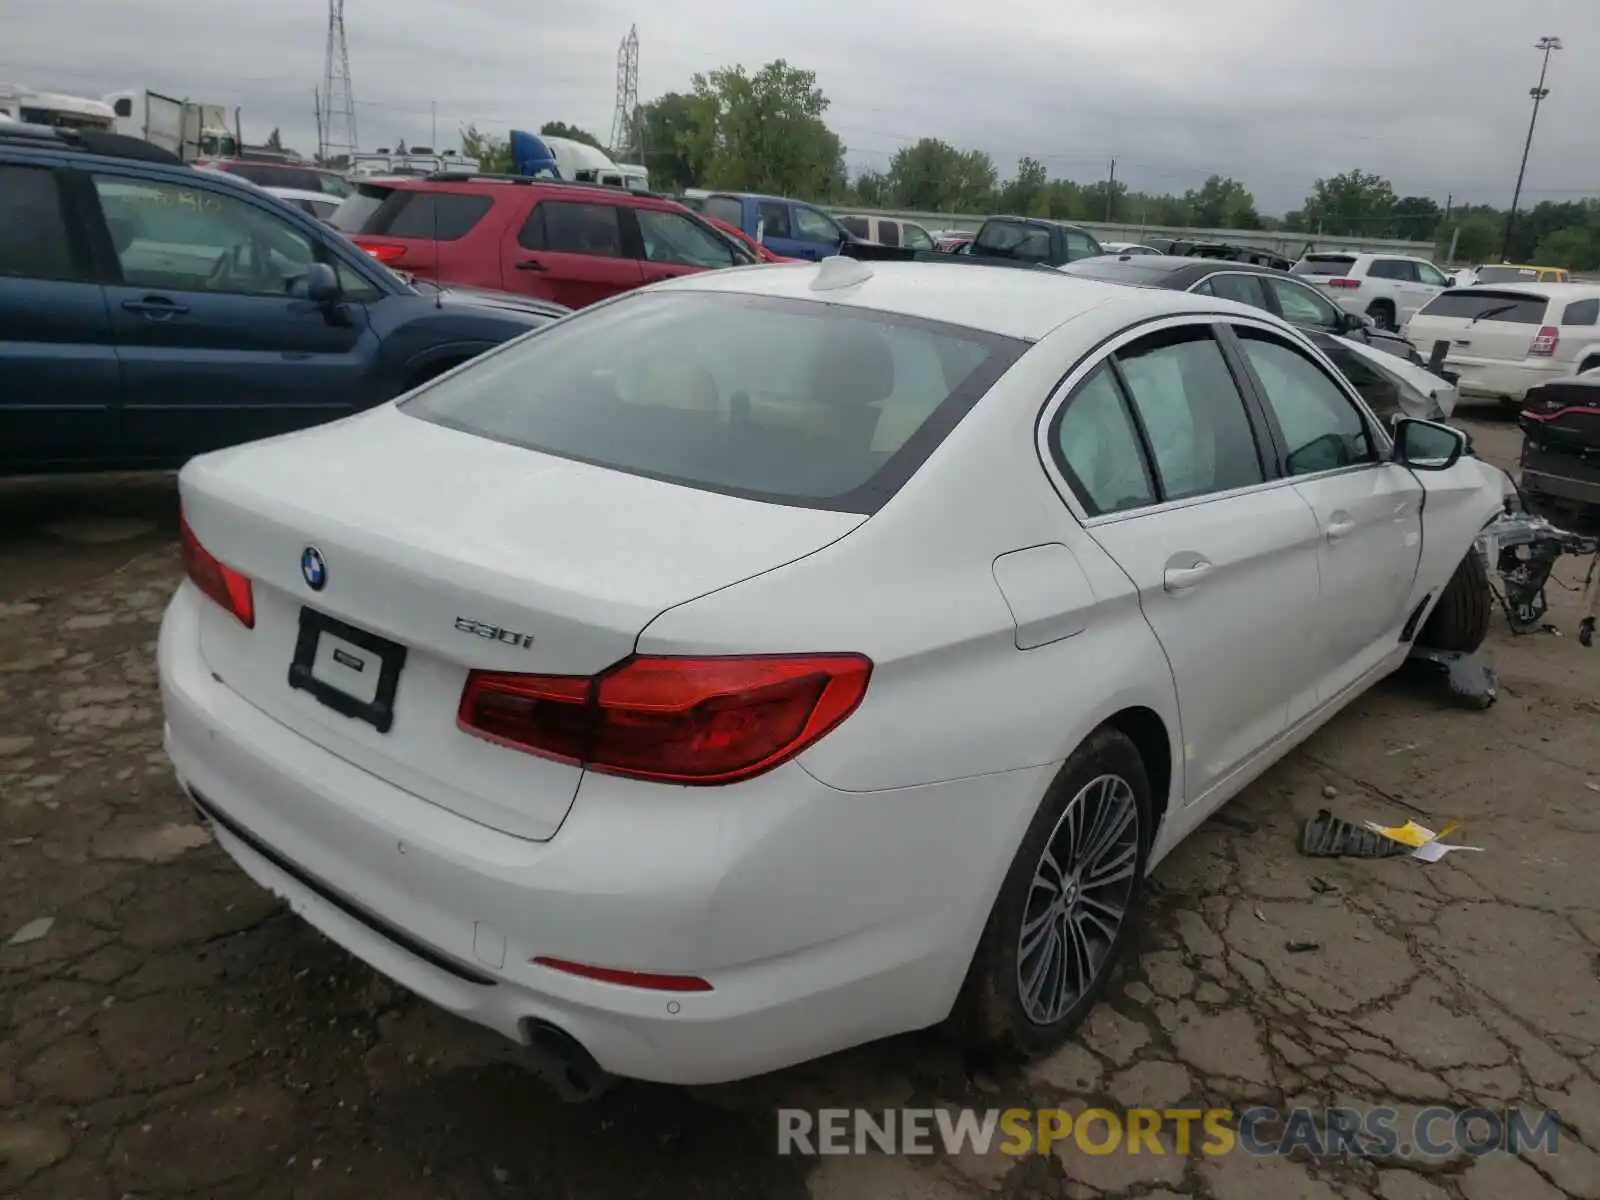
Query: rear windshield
(407,213)
(1324,264)
(1149,269)
(1507,275)
(797,402)
(1482,304)
(1013,239)
(277,175)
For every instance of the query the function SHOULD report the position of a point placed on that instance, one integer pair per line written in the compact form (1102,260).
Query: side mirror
(1450,281)
(1350,322)
(1427,445)
(322,284)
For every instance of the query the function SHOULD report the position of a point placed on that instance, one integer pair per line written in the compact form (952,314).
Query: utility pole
(1111,191)
(433,107)
(1538,93)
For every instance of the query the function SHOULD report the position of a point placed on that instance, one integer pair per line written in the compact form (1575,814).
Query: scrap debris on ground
(166,1029)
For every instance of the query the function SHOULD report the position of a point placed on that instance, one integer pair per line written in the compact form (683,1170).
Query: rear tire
(1068,906)
(1382,314)
(1460,621)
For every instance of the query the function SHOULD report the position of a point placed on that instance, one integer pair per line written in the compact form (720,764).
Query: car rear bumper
(1490,379)
(1564,476)
(821,918)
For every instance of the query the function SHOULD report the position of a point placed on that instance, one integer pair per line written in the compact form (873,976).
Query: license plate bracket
(390,658)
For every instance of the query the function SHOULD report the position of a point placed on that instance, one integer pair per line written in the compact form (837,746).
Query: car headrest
(855,370)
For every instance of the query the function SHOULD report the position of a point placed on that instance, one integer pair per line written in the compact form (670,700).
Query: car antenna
(438,266)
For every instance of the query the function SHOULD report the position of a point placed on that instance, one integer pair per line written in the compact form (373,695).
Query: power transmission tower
(625,124)
(338,127)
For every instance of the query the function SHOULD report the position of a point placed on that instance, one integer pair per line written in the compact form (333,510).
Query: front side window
(1080,245)
(1430,274)
(563,227)
(918,238)
(1393,268)
(33,230)
(1192,413)
(1096,447)
(813,226)
(795,401)
(673,238)
(169,236)
(1301,306)
(1322,430)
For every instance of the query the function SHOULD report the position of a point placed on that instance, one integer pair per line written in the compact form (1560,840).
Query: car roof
(1002,300)
(496,185)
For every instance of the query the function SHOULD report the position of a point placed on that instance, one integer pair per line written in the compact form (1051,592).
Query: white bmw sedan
(777,659)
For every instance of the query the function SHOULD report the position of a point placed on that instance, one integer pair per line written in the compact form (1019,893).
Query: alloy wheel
(1082,888)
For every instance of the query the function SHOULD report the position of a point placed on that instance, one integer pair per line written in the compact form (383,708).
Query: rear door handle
(531,264)
(1181,579)
(156,308)
(1340,526)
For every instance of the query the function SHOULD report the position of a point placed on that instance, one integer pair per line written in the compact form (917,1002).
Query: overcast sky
(1432,94)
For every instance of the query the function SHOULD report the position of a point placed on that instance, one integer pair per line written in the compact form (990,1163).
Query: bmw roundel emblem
(314,568)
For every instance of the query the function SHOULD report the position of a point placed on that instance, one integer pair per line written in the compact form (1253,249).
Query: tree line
(767,132)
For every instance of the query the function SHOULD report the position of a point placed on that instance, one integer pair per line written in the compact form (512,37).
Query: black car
(1249,283)
(1560,423)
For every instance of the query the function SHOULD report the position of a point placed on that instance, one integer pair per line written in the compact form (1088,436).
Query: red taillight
(1349,284)
(674,720)
(384,252)
(1544,342)
(638,979)
(216,579)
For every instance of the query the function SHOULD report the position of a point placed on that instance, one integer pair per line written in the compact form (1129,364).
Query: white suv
(1505,340)
(1389,288)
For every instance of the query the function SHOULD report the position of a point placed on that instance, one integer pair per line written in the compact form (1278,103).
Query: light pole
(1538,93)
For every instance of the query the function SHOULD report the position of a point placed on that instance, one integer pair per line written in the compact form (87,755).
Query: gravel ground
(175,1032)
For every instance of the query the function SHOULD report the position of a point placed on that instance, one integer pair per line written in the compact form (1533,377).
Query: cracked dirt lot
(174,1032)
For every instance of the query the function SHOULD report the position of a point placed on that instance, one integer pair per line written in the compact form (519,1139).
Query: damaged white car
(778,659)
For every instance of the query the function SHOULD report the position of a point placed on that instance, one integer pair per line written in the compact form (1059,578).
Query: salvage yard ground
(167,1030)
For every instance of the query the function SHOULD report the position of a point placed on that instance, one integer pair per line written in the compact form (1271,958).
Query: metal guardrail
(1282,241)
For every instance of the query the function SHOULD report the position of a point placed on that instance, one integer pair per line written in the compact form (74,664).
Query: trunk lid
(469,553)
(1479,323)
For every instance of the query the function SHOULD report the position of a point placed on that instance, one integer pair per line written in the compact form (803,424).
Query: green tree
(664,125)
(274,139)
(562,130)
(1574,247)
(933,176)
(1415,218)
(871,190)
(1221,203)
(1476,233)
(1355,204)
(493,154)
(1024,193)
(763,133)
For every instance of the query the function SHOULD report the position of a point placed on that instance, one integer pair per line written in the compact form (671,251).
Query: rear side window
(563,227)
(1192,413)
(856,225)
(1581,312)
(724,208)
(1097,448)
(888,233)
(1246,289)
(33,231)
(1324,264)
(774,219)
(359,208)
(1483,304)
(793,401)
